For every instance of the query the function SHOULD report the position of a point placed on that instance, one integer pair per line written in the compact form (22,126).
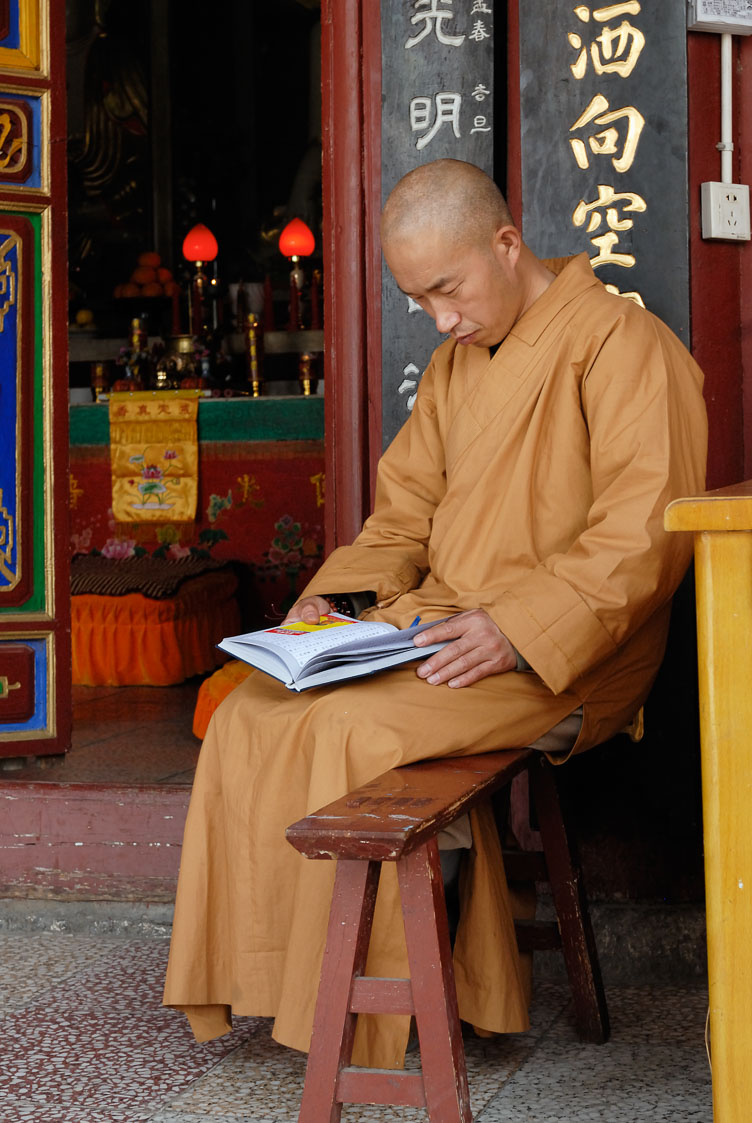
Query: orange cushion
(214,690)
(135,640)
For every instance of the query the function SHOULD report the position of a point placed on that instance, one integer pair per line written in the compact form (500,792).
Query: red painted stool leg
(570,901)
(350,920)
(434,992)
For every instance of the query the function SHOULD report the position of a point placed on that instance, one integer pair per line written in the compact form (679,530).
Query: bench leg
(429,993)
(565,878)
(350,920)
(434,993)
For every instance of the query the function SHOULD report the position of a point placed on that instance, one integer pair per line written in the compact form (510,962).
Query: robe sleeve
(642,402)
(390,555)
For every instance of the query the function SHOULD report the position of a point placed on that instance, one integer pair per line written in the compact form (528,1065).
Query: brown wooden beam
(345,247)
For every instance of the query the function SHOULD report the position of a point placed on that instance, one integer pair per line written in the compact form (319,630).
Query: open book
(335,649)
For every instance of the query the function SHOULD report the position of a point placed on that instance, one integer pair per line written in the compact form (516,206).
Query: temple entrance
(159,141)
(182,126)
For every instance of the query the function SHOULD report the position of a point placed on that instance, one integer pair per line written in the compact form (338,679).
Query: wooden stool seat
(396,818)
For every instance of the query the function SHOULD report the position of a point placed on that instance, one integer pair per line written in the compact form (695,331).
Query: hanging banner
(154,456)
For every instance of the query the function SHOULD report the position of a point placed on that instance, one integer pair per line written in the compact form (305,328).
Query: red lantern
(200,244)
(296,240)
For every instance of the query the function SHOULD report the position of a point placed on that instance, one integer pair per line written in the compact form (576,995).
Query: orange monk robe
(531,484)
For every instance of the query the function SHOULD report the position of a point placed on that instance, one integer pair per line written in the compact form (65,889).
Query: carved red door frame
(351,96)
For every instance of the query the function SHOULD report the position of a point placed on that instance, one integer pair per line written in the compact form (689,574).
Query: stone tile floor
(85,1040)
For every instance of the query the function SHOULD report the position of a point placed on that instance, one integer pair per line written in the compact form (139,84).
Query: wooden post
(722,525)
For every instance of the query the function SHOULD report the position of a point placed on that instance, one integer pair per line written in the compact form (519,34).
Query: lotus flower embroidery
(152,483)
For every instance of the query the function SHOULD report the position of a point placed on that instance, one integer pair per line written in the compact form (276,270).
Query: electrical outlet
(725,211)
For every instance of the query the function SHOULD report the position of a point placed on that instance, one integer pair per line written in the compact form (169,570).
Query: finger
(460,664)
(456,676)
(447,630)
(469,645)
(306,611)
(481,671)
(442,659)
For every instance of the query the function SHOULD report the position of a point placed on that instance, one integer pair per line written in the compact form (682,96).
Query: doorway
(176,119)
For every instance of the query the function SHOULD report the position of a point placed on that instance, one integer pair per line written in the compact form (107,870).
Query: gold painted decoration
(7,545)
(15,140)
(22,48)
(7,276)
(16,380)
(154,456)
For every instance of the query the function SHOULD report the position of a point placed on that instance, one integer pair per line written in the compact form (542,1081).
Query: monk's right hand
(308,610)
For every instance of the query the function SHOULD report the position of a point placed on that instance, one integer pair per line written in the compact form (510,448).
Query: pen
(415,621)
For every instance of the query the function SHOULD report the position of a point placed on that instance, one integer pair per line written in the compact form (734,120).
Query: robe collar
(490,381)
(574,275)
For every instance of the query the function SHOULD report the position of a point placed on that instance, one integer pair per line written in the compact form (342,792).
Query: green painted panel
(228,419)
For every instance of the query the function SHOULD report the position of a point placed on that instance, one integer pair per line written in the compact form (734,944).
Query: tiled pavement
(85,1040)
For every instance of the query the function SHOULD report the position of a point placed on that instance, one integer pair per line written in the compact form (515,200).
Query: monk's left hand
(478,649)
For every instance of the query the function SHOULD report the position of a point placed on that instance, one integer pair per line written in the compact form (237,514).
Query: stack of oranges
(149,278)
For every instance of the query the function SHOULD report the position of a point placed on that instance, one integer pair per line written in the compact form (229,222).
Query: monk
(524,499)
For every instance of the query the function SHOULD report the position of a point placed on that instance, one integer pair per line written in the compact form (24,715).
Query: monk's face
(471,290)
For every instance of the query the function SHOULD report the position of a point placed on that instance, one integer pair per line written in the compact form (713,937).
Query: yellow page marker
(299,628)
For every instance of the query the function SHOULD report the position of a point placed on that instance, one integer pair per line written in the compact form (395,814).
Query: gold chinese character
(633,296)
(606,255)
(319,482)
(75,492)
(610,11)
(605,143)
(615,51)
(249,490)
(607,197)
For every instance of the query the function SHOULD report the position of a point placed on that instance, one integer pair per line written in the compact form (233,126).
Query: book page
(367,646)
(360,666)
(296,644)
(305,641)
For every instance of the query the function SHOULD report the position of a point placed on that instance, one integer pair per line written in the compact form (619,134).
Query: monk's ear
(506,244)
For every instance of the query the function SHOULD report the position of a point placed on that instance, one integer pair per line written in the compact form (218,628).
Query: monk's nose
(446,321)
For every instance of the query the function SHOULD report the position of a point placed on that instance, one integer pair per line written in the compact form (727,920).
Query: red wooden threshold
(88,842)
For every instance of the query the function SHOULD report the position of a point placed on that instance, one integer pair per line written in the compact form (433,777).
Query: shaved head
(448,195)
(452,247)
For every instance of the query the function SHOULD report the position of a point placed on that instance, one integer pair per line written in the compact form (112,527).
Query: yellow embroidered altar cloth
(154,455)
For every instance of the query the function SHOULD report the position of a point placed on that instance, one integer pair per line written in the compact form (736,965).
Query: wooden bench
(396,818)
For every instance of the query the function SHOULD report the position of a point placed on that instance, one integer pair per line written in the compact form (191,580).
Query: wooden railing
(722,525)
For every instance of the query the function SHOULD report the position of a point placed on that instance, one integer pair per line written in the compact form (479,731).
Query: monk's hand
(308,610)
(477,648)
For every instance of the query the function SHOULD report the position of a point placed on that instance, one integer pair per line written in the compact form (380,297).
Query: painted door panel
(35,691)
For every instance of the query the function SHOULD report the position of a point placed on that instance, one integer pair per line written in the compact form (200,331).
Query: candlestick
(293,324)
